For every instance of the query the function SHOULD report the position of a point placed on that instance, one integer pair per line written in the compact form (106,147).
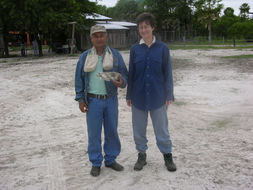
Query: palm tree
(244,10)
(208,11)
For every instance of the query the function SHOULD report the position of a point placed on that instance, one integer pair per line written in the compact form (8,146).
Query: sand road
(44,137)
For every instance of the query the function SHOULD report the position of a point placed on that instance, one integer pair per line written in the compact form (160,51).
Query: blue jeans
(103,112)
(160,124)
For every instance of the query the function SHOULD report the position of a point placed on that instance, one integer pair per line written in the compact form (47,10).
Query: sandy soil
(44,137)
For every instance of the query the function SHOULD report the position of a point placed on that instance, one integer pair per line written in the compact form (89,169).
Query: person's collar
(143,42)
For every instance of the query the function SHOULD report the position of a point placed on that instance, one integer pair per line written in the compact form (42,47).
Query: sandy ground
(44,137)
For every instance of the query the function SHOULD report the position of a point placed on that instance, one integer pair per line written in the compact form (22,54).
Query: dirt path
(44,138)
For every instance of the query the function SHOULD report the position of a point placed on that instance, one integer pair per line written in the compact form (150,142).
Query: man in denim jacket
(98,98)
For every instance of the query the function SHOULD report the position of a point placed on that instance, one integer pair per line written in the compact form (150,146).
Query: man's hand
(83,107)
(168,102)
(118,83)
(129,103)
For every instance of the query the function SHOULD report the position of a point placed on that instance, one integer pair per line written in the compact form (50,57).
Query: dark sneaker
(169,162)
(115,166)
(95,171)
(141,162)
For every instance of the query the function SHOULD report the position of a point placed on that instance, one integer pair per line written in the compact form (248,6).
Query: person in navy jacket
(150,90)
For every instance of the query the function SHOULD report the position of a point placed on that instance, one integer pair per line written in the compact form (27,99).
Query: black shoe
(95,171)
(115,166)
(141,162)
(169,162)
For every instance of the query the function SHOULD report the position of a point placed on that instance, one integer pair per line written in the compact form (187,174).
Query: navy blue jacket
(150,81)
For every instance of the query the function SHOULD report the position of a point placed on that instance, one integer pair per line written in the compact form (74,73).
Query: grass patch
(221,123)
(238,56)
(18,48)
(179,103)
(73,55)
(205,47)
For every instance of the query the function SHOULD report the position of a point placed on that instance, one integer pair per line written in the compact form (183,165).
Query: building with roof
(121,34)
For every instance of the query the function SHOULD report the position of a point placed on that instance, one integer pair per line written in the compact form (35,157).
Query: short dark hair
(147,18)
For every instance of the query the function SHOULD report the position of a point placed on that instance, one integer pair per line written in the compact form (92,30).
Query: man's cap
(97,28)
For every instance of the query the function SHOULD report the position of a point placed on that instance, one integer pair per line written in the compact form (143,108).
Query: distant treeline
(204,17)
(50,19)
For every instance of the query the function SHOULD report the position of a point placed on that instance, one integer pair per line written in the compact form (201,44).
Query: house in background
(121,34)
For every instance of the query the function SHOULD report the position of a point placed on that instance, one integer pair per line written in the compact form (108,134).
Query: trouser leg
(160,125)
(94,124)
(112,145)
(140,121)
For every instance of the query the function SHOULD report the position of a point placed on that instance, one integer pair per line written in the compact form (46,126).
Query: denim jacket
(82,79)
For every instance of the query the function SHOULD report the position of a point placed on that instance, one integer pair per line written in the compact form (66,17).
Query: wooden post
(72,46)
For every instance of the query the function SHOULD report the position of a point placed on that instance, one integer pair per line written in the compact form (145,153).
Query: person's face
(99,39)
(145,30)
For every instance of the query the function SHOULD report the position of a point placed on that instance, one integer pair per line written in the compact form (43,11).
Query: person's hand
(118,83)
(83,107)
(168,102)
(129,103)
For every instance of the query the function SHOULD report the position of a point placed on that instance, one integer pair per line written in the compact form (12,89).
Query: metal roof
(96,16)
(123,23)
(109,26)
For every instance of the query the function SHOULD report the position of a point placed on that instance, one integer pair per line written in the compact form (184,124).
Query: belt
(102,97)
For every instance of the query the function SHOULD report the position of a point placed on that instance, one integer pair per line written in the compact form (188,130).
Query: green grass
(17,48)
(222,123)
(219,41)
(203,44)
(206,47)
(179,103)
(73,55)
(239,56)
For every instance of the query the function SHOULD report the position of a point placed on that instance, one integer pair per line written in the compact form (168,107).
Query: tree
(242,29)
(45,17)
(208,11)
(184,12)
(229,12)
(162,11)
(124,10)
(227,20)
(51,18)
(101,9)
(173,15)
(244,10)
(10,20)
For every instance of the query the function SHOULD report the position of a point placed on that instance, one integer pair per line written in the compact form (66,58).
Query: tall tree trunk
(5,37)
(210,32)
(39,45)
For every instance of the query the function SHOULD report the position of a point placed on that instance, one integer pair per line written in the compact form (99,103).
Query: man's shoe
(95,171)
(141,162)
(169,162)
(115,166)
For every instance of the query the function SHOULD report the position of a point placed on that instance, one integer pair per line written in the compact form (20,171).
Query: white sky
(235,4)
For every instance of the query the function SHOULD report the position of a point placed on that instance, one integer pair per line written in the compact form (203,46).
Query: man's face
(99,39)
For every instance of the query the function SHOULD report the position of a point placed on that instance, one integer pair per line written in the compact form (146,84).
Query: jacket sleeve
(130,75)
(168,74)
(122,70)
(80,81)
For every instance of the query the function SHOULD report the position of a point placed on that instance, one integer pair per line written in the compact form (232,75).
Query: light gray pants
(160,124)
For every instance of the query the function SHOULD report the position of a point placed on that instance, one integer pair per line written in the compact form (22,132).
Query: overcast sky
(235,4)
